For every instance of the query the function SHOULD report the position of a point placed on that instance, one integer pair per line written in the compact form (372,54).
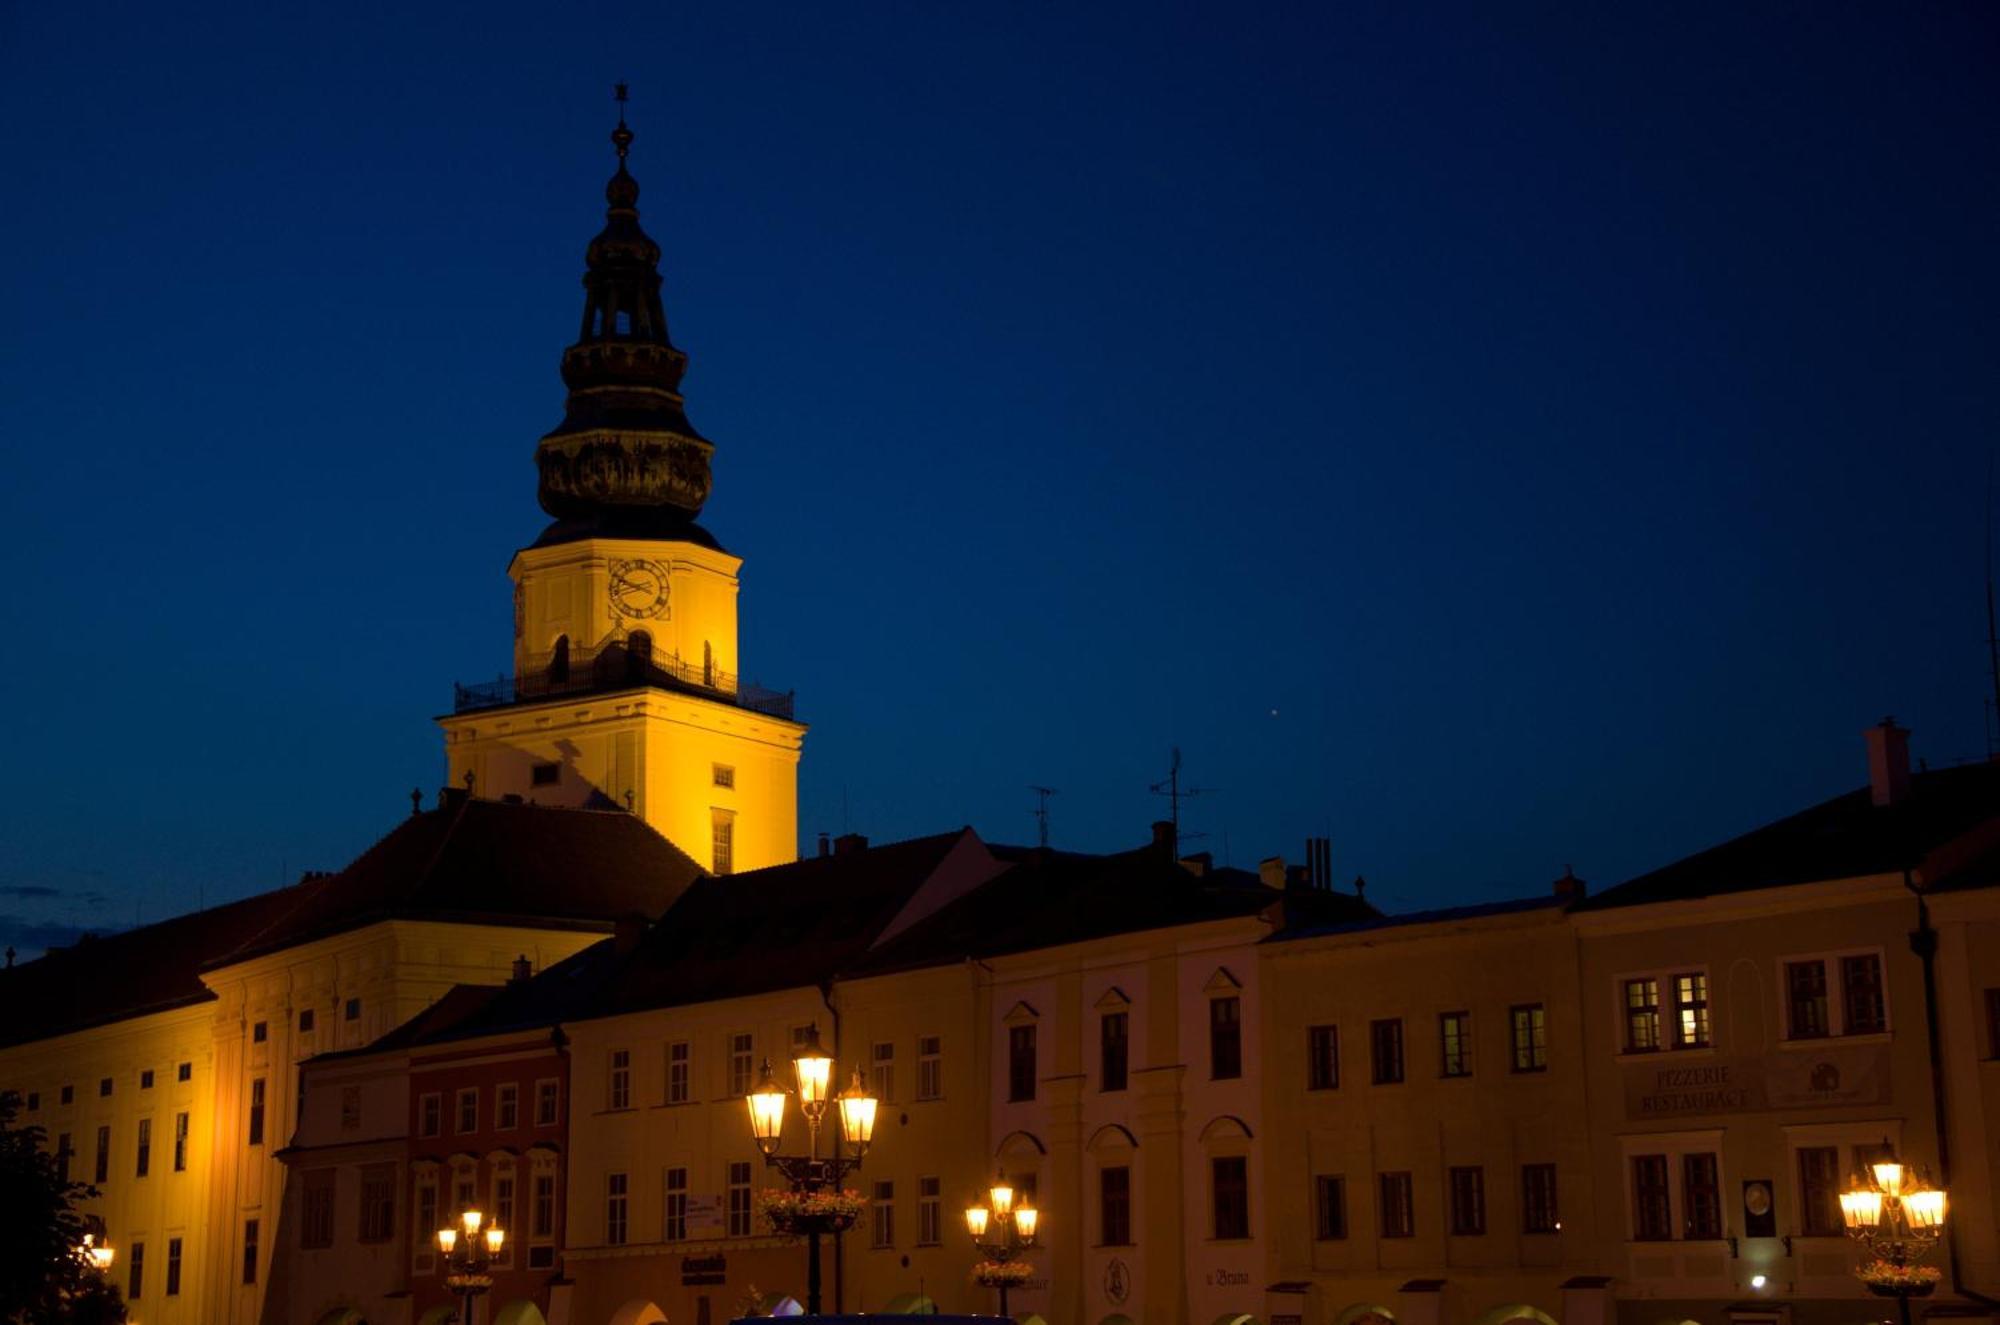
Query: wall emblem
(1117,1282)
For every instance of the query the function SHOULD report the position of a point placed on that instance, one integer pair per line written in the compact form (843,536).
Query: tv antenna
(1992,636)
(1042,795)
(1170,787)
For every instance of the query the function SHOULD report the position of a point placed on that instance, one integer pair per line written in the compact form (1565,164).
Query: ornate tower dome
(624,454)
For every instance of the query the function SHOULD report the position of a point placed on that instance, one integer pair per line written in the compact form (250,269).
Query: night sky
(1492,439)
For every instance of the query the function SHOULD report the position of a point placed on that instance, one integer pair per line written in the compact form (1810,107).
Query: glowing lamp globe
(975,1221)
(767,1112)
(1026,1217)
(815,1070)
(1001,1196)
(495,1238)
(857,1113)
(1861,1209)
(447,1239)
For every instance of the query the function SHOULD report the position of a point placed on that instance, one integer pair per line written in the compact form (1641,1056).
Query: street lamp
(467,1259)
(1898,1216)
(1002,1229)
(816,1205)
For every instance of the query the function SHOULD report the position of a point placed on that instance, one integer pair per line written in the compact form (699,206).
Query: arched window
(559,659)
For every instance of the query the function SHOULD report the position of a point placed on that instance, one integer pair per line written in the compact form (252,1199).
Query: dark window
(353,1009)
(257,1112)
(378,1204)
(542,1224)
(507,1105)
(146,1079)
(103,1154)
(145,1146)
(260,1032)
(1652,1203)
(135,1282)
(1468,1201)
(316,1216)
(1229,1182)
(615,1207)
(1701,1195)
(1329,1207)
(545,775)
(1691,1010)
(1322,1057)
(173,1267)
(1529,1024)
(1819,1192)
(184,1072)
(1538,1199)
(430,1114)
(104,1087)
(1225,1039)
(1021,1063)
(739,1199)
(305,1019)
(34,1101)
(249,1251)
(468,1109)
(882,1216)
(67,1094)
(559,659)
(1805,995)
(180,1142)
(676,1227)
(1642,1015)
(1455,1044)
(1385,1050)
(548,1101)
(930,1067)
(1114,1206)
(1861,991)
(1399,1216)
(1111,1051)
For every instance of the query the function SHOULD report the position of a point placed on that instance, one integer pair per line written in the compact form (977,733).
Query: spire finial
(621,137)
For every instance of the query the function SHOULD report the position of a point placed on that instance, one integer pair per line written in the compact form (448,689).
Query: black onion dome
(625,440)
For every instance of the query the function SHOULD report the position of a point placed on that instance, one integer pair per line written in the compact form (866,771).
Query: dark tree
(43,1277)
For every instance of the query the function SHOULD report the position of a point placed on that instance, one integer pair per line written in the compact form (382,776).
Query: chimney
(847,842)
(629,930)
(523,968)
(1570,888)
(1360,886)
(1888,763)
(825,845)
(1271,871)
(1163,837)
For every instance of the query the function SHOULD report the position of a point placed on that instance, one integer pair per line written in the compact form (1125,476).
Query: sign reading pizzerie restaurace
(700,1270)
(1791,1077)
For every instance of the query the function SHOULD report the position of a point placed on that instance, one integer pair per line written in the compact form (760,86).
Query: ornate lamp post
(95,1254)
(815,1205)
(467,1260)
(1002,1229)
(1899,1217)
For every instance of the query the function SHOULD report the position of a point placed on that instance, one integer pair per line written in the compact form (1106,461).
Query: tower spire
(624,452)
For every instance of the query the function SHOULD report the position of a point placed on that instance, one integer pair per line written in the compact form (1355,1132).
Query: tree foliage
(44,1280)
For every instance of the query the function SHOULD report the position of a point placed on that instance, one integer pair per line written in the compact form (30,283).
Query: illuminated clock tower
(627,691)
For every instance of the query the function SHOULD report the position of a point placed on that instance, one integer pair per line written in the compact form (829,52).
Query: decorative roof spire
(625,445)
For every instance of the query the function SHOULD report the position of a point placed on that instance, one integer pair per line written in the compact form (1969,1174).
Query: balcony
(617,667)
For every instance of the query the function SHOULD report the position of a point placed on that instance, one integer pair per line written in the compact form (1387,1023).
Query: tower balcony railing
(616,667)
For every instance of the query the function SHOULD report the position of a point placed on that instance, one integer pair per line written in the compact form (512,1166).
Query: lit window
(1455,1044)
(1530,1037)
(1691,1010)
(1642,1015)
(1805,996)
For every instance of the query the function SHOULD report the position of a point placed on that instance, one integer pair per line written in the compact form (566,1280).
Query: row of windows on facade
(1396,1206)
(135,1264)
(506,1107)
(1114,1049)
(736,1210)
(1671,1011)
(1820,1181)
(105,1086)
(143,1158)
(678,1084)
(501,1209)
(1527,1047)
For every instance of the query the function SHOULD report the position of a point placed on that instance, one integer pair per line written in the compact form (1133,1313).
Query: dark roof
(647,522)
(457,1004)
(1846,837)
(145,970)
(1318,927)
(1047,898)
(783,927)
(491,862)
(567,989)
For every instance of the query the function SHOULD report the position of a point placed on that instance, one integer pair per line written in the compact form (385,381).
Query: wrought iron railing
(616,667)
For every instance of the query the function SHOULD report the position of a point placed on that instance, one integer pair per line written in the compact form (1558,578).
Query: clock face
(638,588)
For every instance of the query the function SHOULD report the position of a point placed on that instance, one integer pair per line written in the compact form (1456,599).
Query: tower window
(725,776)
(559,659)
(624,323)
(545,775)
(723,843)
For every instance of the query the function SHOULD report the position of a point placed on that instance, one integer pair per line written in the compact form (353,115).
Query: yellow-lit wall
(395,969)
(665,754)
(1496,1119)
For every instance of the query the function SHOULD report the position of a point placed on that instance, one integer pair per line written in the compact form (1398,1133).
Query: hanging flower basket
(1888,1279)
(1003,1274)
(799,1213)
(459,1283)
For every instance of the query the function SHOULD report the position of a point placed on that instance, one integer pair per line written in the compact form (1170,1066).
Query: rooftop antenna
(619,93)
(1042,795)
(1170,787)
(1992,636)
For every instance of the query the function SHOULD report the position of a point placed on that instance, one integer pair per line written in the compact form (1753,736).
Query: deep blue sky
(1490,438)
